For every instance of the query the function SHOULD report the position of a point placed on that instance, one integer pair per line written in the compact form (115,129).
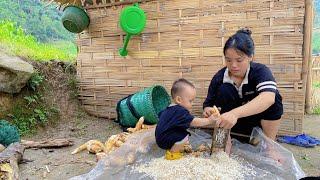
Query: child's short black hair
(178,86)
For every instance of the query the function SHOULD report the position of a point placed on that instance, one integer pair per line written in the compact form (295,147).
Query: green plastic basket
(75,19)
(147,103)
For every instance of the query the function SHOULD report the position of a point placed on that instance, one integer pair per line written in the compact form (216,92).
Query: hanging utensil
(132,21)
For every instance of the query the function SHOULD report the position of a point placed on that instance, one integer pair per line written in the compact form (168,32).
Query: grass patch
(316,85)
(316,110)
(20,44)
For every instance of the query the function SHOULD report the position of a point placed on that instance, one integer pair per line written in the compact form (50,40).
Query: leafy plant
(33,110)
(41,115)
(316,110)
(35,80)
(305,157)
(27,118)
(316,85)
(23,119)
(31,99)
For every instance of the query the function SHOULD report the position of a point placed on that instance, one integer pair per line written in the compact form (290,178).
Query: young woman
(245,91)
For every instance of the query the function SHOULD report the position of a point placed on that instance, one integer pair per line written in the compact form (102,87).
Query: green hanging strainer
(132,21)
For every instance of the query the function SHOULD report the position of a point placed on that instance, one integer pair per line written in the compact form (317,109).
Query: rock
(14,73)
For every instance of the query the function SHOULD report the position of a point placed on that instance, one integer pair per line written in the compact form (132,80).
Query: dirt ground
(75,124)
(63,165)
(308,158)
(60,162)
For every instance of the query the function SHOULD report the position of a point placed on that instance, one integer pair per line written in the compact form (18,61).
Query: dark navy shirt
(172,126)
(258,79)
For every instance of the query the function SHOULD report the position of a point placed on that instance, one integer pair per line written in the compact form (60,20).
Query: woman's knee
(270,128)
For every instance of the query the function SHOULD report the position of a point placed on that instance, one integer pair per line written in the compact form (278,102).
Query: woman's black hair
(241,41)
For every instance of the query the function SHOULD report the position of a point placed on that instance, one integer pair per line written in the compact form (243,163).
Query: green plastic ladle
(132,21)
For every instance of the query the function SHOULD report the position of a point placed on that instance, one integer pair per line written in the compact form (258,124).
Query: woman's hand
(227,120)
(207,112)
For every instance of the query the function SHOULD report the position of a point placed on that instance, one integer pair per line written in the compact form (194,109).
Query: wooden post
(307,49)
(49,143)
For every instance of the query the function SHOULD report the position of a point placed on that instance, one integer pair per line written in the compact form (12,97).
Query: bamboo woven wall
(185,38)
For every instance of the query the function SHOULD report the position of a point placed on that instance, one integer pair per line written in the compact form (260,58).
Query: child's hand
(215,111)
(213,119)
(207,112)
(227,120)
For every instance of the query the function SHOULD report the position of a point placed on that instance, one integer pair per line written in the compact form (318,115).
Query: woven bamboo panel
(185,38)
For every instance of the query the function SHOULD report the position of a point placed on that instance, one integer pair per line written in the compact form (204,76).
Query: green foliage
(305,157)
(316,31)
(317,14)
(316,110)
(23,119)
(316,42)
(21,44)
(31,99)
(33,29)
(35,80)
(33,109)
(37,19)
(316,85)
(8,133)
(41,115)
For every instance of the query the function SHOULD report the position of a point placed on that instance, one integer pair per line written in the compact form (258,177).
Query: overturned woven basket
(147,103)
